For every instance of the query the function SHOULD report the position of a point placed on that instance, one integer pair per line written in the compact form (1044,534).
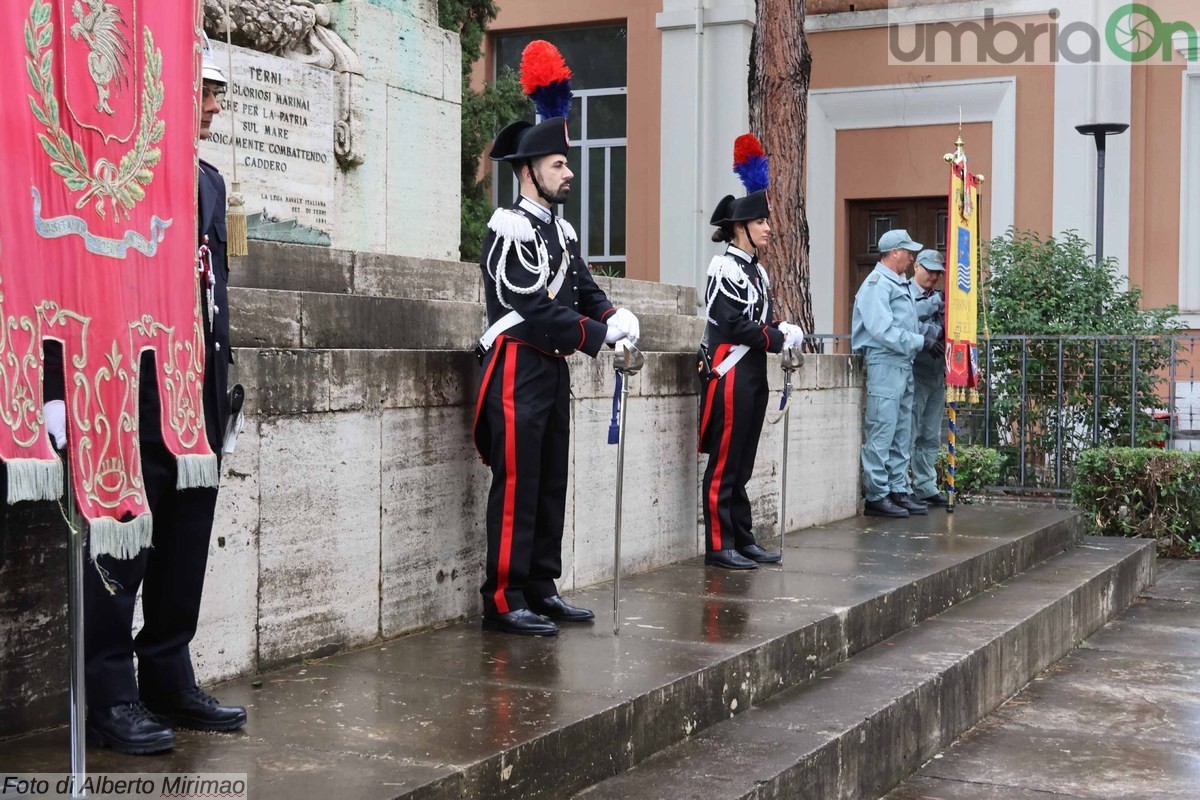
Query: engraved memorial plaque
(282,114)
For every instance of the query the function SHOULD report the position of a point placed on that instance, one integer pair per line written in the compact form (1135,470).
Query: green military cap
(931,260)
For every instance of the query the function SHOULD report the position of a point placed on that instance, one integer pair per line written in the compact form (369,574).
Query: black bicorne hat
(721,214)
(751,207)
(742,209)
(522,141)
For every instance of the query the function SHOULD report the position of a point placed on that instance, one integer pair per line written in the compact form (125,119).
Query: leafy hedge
(975,468)
(1142,492)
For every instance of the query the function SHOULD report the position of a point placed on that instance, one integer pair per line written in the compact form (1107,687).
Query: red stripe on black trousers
(528,417)
(504,552)
(737,411)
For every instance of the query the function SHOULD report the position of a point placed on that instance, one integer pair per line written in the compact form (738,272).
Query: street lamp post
(1100,130)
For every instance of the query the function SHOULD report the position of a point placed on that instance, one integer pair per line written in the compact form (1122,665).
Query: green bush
(975,468)
(1143,492)
(1054,287)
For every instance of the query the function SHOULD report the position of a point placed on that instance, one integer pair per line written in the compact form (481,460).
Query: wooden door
(924,218)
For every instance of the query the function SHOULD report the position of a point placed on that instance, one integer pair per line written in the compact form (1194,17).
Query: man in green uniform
(929,377)
(885,330)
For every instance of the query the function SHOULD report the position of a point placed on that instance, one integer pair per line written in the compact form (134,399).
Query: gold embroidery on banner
(110,53)
(179,391)
(19,411)
(100,454)
(121,185)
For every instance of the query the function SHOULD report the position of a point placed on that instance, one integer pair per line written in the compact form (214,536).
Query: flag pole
(959,156)
(76,531)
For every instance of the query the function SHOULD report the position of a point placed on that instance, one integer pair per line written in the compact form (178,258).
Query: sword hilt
(629,360)
(791,359)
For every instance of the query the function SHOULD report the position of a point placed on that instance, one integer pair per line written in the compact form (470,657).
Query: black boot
(728,559)
(909,503)
(756,553)
(197,710)
(884,507)
(560,610)
(522,622)
(934,501)
(128,728)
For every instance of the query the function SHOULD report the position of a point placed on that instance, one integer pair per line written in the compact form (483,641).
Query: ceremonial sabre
(629,360)
(792,360)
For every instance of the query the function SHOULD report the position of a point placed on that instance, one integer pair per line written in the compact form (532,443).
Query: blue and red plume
(750,163)
(546,79)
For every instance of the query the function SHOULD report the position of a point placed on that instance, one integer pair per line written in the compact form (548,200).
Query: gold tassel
(235,212)
(235,224)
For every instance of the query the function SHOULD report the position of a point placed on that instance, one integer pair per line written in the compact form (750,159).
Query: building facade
(889,88)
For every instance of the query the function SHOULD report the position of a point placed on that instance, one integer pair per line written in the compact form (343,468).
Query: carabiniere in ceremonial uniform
(741,330)
(543,305)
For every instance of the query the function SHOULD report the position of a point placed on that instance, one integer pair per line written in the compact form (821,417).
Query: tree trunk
(780,65)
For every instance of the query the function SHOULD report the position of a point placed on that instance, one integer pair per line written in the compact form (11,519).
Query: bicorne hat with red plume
(546,79)
(751,166)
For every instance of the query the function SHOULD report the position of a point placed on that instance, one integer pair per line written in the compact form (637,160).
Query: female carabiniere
(741,330)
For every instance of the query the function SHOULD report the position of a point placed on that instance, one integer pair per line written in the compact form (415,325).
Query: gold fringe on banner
(34,479)
(196,471)
(122,540)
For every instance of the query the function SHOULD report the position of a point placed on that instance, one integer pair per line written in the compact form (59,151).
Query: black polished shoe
(522,622)
(128,728)
(934,501)
(884,507)
(560,610)
(756,553)
(196,710)
(728,559)
(909,503)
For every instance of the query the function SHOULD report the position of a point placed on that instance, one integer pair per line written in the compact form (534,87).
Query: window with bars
(943,222)
(597,130)
(878,225)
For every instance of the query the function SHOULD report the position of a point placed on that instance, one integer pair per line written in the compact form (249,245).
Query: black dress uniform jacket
(574,319)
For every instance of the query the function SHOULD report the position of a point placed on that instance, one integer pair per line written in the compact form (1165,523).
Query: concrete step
(290,319)
(864,725)
(301,268)
(453,713)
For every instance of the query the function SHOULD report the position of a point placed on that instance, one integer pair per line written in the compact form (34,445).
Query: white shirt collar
(740,253)
(537,209)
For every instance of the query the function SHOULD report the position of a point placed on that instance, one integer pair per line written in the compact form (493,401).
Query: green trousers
(887,427)
(928,410)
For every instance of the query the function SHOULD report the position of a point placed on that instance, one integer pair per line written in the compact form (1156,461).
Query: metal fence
(1045,399)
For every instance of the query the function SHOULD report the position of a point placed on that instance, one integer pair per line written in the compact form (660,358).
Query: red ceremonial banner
(98,249)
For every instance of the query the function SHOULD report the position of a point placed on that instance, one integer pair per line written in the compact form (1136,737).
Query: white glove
(628,323)
(55,413)
(615,332)
(793,335)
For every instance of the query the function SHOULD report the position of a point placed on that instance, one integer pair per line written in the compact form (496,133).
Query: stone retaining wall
(353,508)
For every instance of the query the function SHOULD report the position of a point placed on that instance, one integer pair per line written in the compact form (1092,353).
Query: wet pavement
(457,713)
(1118,718)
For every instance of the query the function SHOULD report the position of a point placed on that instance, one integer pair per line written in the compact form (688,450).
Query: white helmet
(208,65)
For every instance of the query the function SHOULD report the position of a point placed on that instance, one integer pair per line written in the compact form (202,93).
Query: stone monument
(312,84)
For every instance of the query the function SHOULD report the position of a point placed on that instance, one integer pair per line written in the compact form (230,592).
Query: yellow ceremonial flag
(962,284)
